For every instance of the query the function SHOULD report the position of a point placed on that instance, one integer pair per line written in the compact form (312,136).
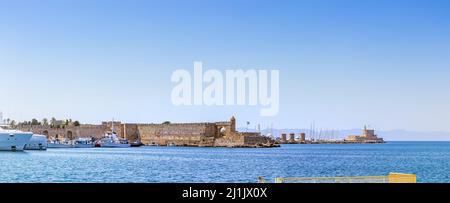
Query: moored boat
(13,140)
(59,144)
(37,142)
(111,140)
(83,143)
(136,144)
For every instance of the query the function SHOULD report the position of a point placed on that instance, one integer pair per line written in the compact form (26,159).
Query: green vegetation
(54,123)
(35,122)
(45,122)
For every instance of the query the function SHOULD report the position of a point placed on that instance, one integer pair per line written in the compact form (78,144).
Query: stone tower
(283,138)
(302,137)
(233,124)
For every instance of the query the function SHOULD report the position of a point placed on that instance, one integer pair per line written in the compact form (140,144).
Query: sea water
(430,161)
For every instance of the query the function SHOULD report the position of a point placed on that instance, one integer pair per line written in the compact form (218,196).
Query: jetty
(367,136)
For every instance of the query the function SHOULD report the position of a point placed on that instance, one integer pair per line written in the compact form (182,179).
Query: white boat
(13,140)
(83,143)
(111,140)
(37,142)
(59,144)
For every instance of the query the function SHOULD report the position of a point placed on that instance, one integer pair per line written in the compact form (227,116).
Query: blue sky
(343,63)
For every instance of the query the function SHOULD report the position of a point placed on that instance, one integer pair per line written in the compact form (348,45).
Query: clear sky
(343,63)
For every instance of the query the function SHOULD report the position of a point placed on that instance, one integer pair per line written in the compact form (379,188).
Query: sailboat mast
(112,126)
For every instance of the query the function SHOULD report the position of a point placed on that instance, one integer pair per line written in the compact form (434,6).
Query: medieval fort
(217,134)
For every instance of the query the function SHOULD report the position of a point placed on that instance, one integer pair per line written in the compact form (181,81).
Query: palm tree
(53,121)
(45,122)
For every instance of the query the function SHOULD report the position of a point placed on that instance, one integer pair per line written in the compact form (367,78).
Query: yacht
(83,143)
(37,142)
(13,140)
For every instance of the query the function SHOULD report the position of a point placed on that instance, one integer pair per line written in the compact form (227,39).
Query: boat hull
(14,141)
(35,146)
(114,145)
(84,146)
(57,145)
(136,144)
(37,142)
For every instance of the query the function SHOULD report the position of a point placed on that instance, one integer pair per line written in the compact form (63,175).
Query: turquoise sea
(429,160)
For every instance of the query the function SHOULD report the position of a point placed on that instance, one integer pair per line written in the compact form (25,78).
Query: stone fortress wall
(70,132)
(219,134)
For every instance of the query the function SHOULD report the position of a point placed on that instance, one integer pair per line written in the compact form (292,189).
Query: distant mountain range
(393,135)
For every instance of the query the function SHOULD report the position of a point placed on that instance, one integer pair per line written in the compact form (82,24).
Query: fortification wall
(186,134)
(240,139)
(69,132)
(229,141)
(130,132)
(220,134)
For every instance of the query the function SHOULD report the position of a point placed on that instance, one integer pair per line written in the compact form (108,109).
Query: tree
(166,123)
(34,122)
(76,123)
(13,123)
(53,121)
(45,122)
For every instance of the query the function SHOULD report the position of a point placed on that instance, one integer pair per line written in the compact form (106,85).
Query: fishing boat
(111,140)
(59,144)
(83,143)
